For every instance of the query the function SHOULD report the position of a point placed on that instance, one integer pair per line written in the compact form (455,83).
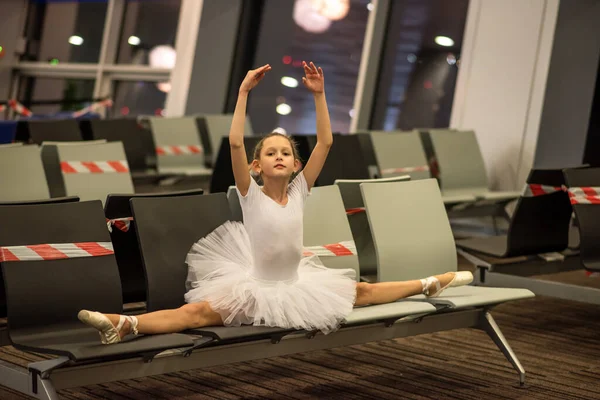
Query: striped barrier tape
(94,107)
(357,210)
(584,195)
(24,111)
(121,224)
(178,150)
(19,108)
(534,189)
(331,250)
(94,167)
(39,252)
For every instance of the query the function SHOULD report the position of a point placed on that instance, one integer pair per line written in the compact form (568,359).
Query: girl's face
(276,159)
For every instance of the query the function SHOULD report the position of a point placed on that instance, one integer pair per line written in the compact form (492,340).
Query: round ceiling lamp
(306,17)
(162,56)
(333,10)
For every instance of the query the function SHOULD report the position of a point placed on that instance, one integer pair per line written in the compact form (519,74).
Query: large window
(139,98)
(82,51)
(149,26)
(292,31)
(420,64)
(47,96)
(65,31)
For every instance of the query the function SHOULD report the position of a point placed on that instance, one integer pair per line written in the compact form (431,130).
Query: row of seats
(186,145)
(360,148)
(149,142)
(541,220)
(410,234)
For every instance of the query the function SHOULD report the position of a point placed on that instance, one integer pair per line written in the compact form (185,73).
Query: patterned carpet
(558,343)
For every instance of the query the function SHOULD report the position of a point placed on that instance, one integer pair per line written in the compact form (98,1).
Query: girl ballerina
(254,273)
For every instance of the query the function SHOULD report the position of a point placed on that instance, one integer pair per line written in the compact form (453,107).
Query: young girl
(254,273)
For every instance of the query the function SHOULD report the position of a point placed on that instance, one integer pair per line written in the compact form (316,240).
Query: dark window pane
(291,32)
(146,25)
(65,31)
(53,95)
(418,75)
(139,98)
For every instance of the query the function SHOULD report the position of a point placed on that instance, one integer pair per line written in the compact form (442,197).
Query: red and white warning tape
(331,250)
(357,210)
(24,111)
(121,224)
(178,150)
(584,195)
(534,189)
(93,167)
(94,107)
(19,108)
(591,274)
(58,251)
(405,169)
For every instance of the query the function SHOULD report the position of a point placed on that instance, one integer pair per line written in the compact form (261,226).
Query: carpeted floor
(557,342)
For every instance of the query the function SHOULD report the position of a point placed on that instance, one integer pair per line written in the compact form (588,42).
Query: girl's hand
(253,77)
(313,79)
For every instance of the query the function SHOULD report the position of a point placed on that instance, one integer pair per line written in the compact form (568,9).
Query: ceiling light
(444,41)
(162,57)
(134,40)
(76,40)
(283,109)
(289,81)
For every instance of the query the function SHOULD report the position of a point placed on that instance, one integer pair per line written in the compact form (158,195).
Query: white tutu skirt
(219,272)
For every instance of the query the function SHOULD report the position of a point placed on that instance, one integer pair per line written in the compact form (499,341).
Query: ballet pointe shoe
(109,333)
(460,278)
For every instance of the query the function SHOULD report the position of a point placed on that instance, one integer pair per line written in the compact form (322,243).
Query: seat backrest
(9,145)
(125,241)
(588,215)
(410,229)
(368,150)
(60,130)
(325,204)
(55,200)
(345,160)
(460,161)
(137,141)
(222,177)
(178,146)
(167,227)
(86,169)
(217,126)
(22,174)
(540,224)
(359,223)
(400,153)
(47,292)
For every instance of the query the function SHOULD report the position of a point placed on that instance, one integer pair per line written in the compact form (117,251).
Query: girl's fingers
(306,68)
(320,71)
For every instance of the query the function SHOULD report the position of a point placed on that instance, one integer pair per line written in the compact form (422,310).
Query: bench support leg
(488,324)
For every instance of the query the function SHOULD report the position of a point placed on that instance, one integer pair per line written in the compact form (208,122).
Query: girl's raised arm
(239,161)
(314,81)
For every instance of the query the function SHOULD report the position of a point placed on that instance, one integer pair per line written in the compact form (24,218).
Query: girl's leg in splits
(387,292)
(189,316)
